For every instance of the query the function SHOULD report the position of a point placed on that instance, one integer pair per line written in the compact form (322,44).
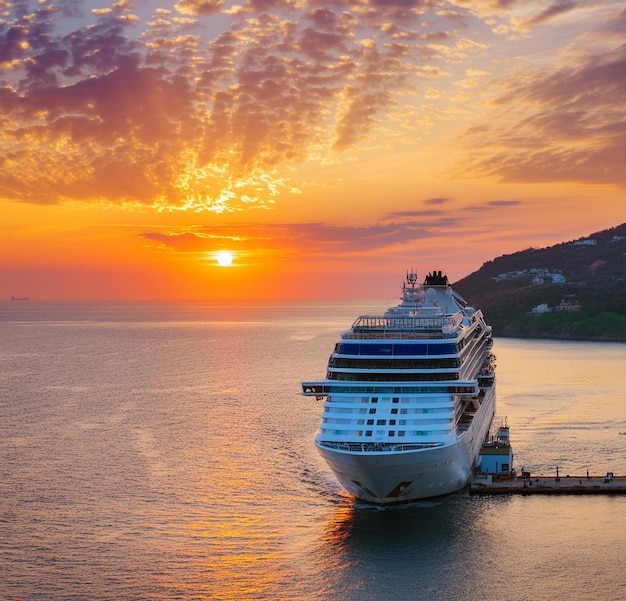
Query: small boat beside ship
(409,396)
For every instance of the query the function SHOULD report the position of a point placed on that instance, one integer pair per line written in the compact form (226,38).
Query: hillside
(574,290)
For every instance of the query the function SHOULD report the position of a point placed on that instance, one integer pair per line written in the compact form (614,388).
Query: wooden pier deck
(549,485)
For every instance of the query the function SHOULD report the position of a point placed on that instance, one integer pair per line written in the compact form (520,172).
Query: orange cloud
(161,114)
(319,240)
(199,7)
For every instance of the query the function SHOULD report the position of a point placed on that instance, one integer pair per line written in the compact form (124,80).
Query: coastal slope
(574,290)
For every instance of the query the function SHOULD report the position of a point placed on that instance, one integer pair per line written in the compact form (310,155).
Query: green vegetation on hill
(589,273)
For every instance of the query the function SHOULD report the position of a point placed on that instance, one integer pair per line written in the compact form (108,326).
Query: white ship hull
(396,477)
(409,396)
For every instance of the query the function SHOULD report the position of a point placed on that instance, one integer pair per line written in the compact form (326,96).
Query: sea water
(163,451)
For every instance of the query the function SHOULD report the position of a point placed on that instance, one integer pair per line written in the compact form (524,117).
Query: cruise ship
(409,396)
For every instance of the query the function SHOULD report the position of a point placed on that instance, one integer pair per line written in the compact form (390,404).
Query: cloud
(204,106)
(398,235)
(505,203)
(162,113)
(397,232)
(199,7)
(307,239)
(552,11)
(491,205)
(564,123)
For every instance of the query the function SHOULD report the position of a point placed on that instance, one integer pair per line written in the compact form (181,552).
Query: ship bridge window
(430,348)
(392,432)
(392,422)
(372,410)
(348,349)
(368,433)
(370,422)
(401,433)
(396,399)
(390,349)
(381,422)
(394,411)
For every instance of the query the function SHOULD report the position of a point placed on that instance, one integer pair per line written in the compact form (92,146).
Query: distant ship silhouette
(20,298)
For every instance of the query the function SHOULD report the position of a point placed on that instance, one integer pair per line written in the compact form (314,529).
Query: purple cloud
(568,123)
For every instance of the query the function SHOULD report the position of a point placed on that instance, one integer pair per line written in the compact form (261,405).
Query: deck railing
(378,447)
(403,327)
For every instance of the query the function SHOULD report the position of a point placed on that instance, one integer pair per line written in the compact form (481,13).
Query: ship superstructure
(409,396)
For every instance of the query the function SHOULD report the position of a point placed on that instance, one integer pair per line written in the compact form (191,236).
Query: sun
(224,259)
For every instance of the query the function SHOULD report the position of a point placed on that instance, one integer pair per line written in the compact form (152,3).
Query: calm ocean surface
(163,451)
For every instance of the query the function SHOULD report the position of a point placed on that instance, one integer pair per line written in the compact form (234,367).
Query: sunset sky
(327,146)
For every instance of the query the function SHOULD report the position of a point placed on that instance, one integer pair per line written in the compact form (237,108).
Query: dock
(549,485)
